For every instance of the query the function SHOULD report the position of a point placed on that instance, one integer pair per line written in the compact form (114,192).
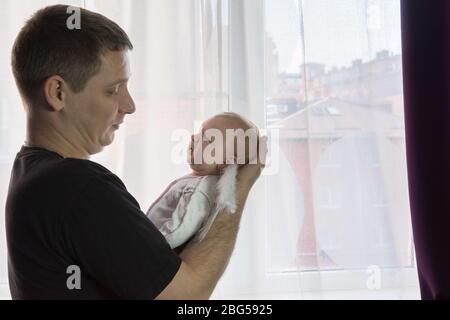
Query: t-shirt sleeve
(116,244)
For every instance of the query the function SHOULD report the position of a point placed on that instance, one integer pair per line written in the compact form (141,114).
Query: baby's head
(226,138)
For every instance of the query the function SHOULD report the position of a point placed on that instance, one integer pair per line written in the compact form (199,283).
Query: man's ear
(55,92)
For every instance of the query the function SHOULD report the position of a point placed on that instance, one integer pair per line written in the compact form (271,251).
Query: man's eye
(115,91)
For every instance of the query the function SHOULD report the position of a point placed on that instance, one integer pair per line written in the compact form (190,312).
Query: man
(67,216)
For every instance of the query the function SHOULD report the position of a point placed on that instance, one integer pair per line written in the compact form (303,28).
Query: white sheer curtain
(330,214)
(339,210)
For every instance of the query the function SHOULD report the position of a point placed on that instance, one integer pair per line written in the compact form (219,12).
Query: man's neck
(55,142)
(65,151)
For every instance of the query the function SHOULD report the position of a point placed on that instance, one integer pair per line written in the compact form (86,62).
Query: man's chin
(96,149)
(103,143)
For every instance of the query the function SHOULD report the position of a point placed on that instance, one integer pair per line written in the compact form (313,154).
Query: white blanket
(188,207)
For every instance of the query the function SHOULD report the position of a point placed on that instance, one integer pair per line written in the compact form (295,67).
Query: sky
(336,31)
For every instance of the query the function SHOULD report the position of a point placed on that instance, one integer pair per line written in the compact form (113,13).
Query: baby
(187,208)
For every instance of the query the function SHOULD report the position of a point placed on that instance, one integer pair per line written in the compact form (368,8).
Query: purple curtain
(426,76)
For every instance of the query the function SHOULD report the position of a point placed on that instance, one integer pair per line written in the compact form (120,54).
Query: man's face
(99,109)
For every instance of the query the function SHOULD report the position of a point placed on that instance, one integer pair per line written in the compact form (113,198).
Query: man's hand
(249,173)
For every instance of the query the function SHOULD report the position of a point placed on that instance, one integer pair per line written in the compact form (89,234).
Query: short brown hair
(46,46)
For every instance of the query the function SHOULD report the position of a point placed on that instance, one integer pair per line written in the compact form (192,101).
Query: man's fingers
(258,155)
(262,151)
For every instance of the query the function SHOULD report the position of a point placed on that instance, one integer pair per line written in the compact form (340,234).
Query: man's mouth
(117,126)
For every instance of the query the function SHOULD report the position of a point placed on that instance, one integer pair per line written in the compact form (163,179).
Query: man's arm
(204,262)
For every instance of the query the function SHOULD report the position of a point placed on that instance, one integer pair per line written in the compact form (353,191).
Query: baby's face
(206,155)
(200,141)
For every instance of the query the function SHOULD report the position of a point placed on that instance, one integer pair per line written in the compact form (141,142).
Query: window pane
(334,91)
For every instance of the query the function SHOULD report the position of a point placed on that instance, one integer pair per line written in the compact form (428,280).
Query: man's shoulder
(46,171)
(87,176)
(87,169)
(79,171)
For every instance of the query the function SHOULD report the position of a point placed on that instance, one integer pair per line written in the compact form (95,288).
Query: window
(347,160)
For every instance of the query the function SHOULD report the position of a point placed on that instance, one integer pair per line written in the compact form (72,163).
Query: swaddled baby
(187,208)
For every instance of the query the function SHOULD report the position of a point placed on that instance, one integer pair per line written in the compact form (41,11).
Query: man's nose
(127,105)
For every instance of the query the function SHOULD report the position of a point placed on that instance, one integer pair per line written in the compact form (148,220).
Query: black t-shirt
(63,212)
